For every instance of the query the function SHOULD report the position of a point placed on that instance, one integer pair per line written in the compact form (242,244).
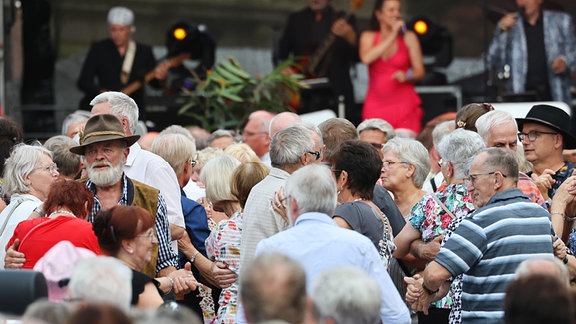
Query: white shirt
(20,207)
(151,169)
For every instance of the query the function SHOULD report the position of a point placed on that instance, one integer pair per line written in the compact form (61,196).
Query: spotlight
(435,40)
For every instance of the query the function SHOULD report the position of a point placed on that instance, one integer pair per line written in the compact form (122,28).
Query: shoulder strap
(18,203)
(443,206)
(128,62)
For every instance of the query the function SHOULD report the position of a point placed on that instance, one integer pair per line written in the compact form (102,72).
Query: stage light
(179,33)
(420,27)
(435,41)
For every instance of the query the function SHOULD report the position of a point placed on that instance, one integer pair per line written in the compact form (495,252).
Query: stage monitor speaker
(437,100)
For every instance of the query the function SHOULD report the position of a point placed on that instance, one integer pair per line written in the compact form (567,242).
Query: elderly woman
(242,152)
(404,168)
(223,244)
(127,233)
(432,215)
(356,166)
(66,207)
(28,175)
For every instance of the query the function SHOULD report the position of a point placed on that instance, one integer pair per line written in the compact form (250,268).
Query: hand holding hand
(544,181)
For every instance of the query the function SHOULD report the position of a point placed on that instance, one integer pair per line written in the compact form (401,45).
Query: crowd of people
(292,222)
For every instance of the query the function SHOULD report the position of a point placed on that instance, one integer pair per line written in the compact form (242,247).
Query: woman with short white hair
(28,174)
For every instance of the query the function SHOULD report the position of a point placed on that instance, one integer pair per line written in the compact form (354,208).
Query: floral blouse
(432,220)
(223,244)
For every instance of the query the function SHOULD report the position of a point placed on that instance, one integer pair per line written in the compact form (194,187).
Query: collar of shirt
(314,217)
(97,206)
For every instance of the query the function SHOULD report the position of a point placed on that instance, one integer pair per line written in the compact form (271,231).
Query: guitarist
(305,31)
(117,61)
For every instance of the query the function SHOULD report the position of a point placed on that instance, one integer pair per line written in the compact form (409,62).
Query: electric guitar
(313,66)
(137,84)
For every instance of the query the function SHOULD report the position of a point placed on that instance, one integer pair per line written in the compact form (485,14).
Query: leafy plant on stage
(229,94)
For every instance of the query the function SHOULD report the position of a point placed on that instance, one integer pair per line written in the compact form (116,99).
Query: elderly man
(498,129)
(291,149)
(118,61)
(319,244)
(375,132)
(544,133)
(256,134)
(105,148)
(274,289)
(142,165)
(505,229)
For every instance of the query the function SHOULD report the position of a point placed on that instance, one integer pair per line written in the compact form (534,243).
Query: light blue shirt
(319,244)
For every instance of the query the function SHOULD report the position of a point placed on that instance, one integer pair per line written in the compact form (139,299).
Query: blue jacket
(509,47)
(196,224)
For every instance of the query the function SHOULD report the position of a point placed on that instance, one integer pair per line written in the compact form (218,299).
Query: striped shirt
(488,246)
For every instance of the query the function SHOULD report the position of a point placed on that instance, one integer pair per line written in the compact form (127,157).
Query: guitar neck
(323,49)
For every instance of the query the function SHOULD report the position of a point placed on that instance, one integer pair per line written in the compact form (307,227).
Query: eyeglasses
(440,162)
(150,235)
(51,168)
(388,164)
(317,153)
(472,178)
(193,163)
(533,135)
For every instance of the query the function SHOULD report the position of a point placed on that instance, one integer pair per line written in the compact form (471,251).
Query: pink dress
(396,102)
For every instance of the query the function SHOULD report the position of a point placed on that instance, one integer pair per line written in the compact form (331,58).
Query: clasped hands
(418,299)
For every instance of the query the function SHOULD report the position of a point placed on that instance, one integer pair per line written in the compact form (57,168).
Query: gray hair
(288,145)
(534,265)
(377,124)
(177,129)
(313,188)
(457,147)
(21,162)
(102,279)
(120,105)
(217,177)
(75,117)
(492,119)
(221,133)
(413,152)
(175,148)
(68,163)
(347,295)
(441,130)
(259,284)
(503,160)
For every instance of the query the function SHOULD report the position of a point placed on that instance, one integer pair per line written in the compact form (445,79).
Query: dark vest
(144,196)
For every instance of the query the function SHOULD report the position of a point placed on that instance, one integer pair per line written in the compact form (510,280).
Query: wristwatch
(428,291)
(193,258)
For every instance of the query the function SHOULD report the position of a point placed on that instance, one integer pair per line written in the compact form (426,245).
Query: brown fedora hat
(552,117)
(102,128)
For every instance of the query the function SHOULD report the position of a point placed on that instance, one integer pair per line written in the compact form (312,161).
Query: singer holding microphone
(539,49)
(394,60)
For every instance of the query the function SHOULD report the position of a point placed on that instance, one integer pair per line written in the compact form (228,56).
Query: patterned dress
(223,244)
(432,220)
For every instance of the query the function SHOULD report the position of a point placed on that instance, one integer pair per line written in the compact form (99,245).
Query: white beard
(106,177)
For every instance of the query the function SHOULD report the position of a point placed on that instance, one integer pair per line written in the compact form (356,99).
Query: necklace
(65,212)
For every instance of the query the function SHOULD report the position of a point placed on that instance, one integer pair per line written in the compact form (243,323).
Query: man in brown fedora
(544,133)
(105,148)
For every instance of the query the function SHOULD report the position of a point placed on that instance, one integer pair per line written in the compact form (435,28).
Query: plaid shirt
(166,257)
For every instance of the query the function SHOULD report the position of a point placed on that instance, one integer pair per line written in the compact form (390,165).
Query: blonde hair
(242,152)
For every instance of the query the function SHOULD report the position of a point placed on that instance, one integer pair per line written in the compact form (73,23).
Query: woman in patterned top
(431,216)
(228,184)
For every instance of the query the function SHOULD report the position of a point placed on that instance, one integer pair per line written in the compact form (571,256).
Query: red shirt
(38,235)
